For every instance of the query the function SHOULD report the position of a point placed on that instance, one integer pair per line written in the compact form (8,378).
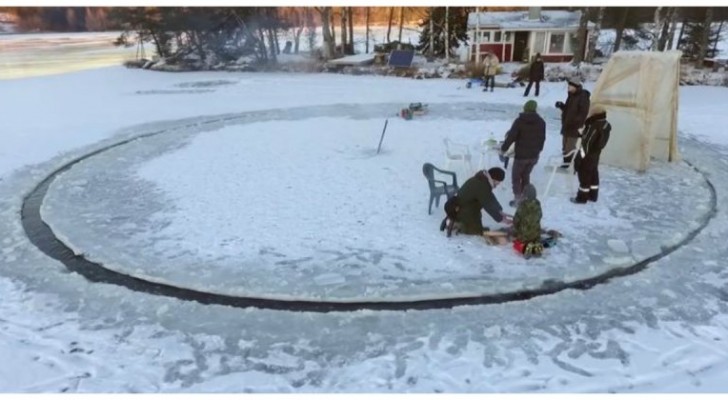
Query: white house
(519,35)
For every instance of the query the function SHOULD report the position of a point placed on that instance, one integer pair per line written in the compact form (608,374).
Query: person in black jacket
(528,132)
(535,74)
(596,135)
(573,114)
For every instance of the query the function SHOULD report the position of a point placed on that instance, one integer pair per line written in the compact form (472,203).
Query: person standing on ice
(535,75)
(586,164)
(573,114)
(528,133)
(477,193)
(490,68)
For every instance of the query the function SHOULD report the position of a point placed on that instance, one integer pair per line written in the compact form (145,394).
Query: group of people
(535,73)
(527,135)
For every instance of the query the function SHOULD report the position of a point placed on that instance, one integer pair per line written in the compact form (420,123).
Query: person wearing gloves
(586,164)
(476,194)
(573,115)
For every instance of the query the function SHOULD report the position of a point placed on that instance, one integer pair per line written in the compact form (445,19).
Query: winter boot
(582,196)
(594,193)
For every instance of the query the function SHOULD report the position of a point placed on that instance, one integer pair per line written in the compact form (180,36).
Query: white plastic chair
(554,163)
(457,153)
(488,148)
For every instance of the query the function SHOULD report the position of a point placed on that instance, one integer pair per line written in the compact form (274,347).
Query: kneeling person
(476,194)
(527,224)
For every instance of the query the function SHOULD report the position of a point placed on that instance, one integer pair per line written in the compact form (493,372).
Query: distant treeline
(73,19)
(77,19)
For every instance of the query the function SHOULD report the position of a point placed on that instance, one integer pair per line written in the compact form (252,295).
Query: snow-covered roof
(551,19)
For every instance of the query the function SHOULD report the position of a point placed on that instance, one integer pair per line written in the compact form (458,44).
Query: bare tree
(619,29)
(311,30)
(581,35)
(272,44)
(401,23)
(682,29)
(333,29)
(704,39)
(344,28)
(667,23)
(300,23)
(389,23)
(673,27)
(431,50)
(655,28)
(367,48)
(447,34)
(326,30)
(350,12)
(595,36)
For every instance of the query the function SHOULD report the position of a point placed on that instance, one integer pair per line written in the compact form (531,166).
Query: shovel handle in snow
(381,139)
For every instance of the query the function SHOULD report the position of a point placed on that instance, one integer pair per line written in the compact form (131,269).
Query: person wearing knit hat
(476,194)
(586,164)
(575,82)
(573,115)
(527,135)
(527,224)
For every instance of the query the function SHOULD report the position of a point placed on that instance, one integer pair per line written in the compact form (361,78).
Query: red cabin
(519,35)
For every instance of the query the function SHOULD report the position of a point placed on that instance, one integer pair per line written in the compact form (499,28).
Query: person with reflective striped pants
(586,164)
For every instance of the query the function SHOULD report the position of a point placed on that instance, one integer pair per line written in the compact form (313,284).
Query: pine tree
(690,43)
(457,22)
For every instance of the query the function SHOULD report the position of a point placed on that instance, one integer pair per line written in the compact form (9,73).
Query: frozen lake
(26,55)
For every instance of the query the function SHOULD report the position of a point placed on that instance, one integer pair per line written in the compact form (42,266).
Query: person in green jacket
(527,224)
(476,194)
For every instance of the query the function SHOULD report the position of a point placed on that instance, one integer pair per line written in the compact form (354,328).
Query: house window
(556,44)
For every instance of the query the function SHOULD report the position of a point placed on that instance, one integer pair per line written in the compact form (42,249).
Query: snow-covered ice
(663,329)
(230,212)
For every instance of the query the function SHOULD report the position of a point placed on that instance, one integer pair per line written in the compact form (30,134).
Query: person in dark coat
(596,135)
(573,114)
(528,132)
(535,75)
(476,194)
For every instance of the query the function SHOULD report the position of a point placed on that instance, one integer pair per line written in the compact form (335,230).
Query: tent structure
(639,90)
